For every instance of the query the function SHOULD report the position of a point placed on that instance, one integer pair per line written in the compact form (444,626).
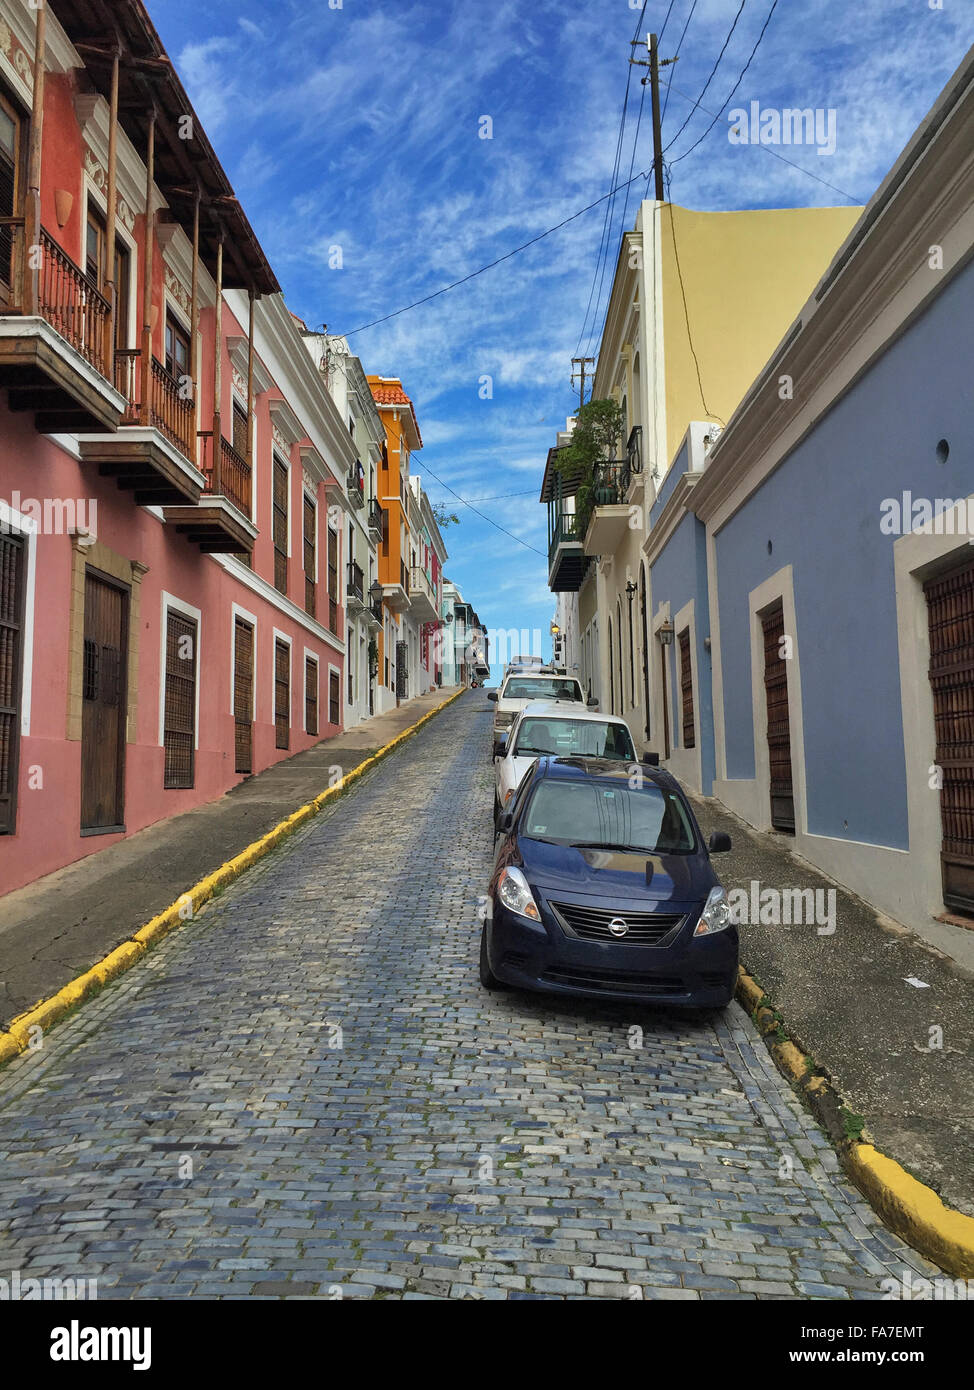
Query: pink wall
(48,817)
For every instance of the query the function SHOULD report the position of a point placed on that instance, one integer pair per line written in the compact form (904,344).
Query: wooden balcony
(53,337)
(154,453)
(220,521)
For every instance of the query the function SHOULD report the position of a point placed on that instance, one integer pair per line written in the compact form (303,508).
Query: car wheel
(487,977)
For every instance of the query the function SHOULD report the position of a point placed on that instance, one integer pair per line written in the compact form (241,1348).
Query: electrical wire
(482,515)
(730,96)
(675,56)
(686,312)
(605,238)
(713,74)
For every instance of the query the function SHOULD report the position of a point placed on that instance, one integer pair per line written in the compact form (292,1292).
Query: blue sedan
(603,887)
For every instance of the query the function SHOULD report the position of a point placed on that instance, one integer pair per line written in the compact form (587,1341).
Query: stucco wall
(820,512)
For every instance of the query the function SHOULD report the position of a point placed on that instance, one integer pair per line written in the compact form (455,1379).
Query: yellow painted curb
(906,1206)
(29,1027)
(913,1210)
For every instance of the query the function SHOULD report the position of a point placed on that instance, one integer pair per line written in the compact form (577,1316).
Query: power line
(605,238)
(730,95)
(686,312)
(666,21)
(800,167)
(677,53)
(713,73)
(482,515)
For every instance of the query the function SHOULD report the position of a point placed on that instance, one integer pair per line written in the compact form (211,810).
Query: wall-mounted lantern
(665,632)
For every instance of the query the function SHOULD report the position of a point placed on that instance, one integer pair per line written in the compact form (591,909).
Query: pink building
(172,469)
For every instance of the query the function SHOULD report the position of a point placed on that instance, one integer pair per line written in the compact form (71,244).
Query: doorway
(104,703)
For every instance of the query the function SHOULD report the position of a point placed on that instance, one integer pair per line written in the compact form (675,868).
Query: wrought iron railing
(356,582)
(375,515)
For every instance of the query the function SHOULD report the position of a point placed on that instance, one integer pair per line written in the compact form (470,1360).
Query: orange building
(402,437)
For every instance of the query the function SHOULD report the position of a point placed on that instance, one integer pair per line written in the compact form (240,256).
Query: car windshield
(649,819)
(537,688)
(573,738)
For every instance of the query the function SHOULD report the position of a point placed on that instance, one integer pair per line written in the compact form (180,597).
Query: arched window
(622,688)
(612,695)
(644,630)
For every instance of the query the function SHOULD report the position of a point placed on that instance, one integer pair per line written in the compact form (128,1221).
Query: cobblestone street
(306,1092)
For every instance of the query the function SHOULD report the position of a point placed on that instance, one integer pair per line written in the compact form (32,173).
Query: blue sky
(359,127)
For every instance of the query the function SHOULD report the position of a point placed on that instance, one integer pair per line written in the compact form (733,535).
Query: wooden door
(243,695)
(282,694)
(666,700)
(686,690)
(311,696)
(281,479)
(779,727)
(12,566)
(334,698)
(104,700)
(950,612)
(179,737)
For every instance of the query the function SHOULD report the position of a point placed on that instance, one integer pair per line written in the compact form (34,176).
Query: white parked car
(518,688)
(552,727)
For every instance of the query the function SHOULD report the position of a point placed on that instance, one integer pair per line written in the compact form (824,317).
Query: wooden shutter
(180,718)
(686,690)
(243,695)
(334,698)
(311,695)
(241,430)
(282,693)
(310,516)
(10,158)
(333,595)
(950,611)
(12,558)
(779,728)
(280,525)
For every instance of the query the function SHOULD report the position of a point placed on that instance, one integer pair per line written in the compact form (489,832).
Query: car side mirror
(650,759)
(500,745)
(592,702)
(505,822)
(719,842)
(492,695)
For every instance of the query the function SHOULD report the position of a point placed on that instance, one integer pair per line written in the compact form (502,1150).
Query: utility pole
(581,363)
(654,66)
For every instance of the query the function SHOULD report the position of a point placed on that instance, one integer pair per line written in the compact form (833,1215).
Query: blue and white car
(552,727)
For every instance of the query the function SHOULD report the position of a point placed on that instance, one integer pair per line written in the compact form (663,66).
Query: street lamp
(665,632)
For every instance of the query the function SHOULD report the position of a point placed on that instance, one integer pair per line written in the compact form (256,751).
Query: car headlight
(514,893)
(716,916)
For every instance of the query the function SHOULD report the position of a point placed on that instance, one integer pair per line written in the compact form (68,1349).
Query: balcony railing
(419,584)
(355,586)
(375,515)
(403,576)
(634,450)
(66,298)
(356,485)
(230,476)
(169,410)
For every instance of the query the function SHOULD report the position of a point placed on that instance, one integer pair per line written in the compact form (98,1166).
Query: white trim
(686,764)
(280,601)
(179,606)
(27,525)
(341,697)
(750,796)
(237,612)
(275,634)
(309,655)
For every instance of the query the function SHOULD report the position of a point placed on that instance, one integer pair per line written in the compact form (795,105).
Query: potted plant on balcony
(599,427)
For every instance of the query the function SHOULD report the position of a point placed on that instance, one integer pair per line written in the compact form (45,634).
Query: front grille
(592,924)
(617,981)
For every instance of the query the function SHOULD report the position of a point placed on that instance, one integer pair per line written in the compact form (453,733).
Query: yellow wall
(746,276)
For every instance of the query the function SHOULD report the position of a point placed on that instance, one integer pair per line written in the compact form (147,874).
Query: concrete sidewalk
(847,1001)
(54,929)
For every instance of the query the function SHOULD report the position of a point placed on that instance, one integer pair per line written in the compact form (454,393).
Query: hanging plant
(596,439)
